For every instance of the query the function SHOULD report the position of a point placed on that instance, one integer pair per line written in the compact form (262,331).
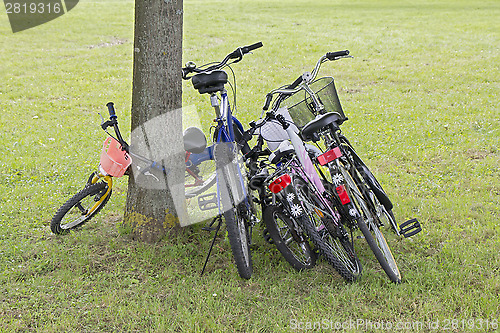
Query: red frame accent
(329,156)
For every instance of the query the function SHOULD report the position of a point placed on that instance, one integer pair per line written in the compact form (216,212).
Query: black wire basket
(301,107)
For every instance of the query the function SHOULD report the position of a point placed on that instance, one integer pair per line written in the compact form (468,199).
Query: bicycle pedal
(207,201)
(267,236)
(410,228)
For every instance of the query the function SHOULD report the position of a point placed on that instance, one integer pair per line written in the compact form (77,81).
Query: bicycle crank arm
(410,228)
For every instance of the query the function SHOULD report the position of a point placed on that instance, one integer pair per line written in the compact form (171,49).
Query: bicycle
(282,228)
(299,194)
(234,201)
(360,198)
(231,197)
(116,161)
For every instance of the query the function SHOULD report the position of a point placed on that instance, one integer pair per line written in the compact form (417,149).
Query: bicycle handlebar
(295,83)
(240,51)
(294,86)
(236,54)
(252,47)
(256,151)
(336,55)
(113,122)
(247,136)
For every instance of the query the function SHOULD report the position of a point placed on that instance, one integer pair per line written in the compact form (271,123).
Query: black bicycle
(315,109)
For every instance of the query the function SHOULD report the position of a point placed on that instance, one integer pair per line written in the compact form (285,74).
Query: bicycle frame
(225,134)
(307,170)
(191,159)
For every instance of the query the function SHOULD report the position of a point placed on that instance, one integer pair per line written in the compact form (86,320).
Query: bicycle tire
(374,185)
(338,251)
(289,241)
(231,191)
(75,210)
(367,223)
(367,175)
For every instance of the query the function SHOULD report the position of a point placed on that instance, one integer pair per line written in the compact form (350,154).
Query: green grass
(421,96)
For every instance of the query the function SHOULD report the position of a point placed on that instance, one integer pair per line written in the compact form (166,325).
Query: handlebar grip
(190,68)
(281,119)
(269,98)
(240,51)
(111,109)
(295,83)
(337,54)
(185,72)
(246,49)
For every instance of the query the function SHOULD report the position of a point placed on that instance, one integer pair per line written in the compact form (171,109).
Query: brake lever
(107,123)
(102,118)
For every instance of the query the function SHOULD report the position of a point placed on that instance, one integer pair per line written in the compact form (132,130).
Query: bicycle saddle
(207,83)
(194,140)
(318,123)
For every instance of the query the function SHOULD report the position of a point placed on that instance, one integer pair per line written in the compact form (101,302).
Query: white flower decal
(290,197)
(352,212)
(296,210)
(337,179)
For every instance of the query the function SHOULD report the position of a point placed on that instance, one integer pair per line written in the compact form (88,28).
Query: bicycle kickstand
(210,228)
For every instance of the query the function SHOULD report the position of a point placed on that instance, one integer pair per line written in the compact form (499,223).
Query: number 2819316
(33,8)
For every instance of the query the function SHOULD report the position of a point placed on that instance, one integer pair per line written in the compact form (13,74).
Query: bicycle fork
(94,179)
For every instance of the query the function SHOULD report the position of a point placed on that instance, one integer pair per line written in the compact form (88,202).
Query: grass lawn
(421,95)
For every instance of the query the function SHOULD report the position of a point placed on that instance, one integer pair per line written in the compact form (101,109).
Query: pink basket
(114,160)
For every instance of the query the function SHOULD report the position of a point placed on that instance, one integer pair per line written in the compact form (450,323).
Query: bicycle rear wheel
(288,238)
(80,208)
(329,237)
(235,210)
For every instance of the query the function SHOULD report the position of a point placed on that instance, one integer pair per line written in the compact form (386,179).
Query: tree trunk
(156,120)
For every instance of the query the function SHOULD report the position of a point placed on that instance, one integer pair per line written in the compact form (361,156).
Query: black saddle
(207,83)
(320,122)
(194,140)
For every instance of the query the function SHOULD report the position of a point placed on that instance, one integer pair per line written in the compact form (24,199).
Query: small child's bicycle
(116,161)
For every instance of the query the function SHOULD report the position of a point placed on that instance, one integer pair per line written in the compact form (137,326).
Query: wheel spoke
(81,208)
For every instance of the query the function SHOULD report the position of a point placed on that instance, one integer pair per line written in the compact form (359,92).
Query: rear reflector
(279,184)
(329,156)
(344,197)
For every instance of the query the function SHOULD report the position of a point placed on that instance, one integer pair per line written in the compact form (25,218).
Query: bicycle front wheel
(288,238)
(235,211)
(80,208)
(371,217)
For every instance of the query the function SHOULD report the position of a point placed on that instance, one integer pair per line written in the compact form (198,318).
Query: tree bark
(156,120)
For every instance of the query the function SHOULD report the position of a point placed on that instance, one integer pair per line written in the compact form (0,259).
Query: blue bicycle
(232,197)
